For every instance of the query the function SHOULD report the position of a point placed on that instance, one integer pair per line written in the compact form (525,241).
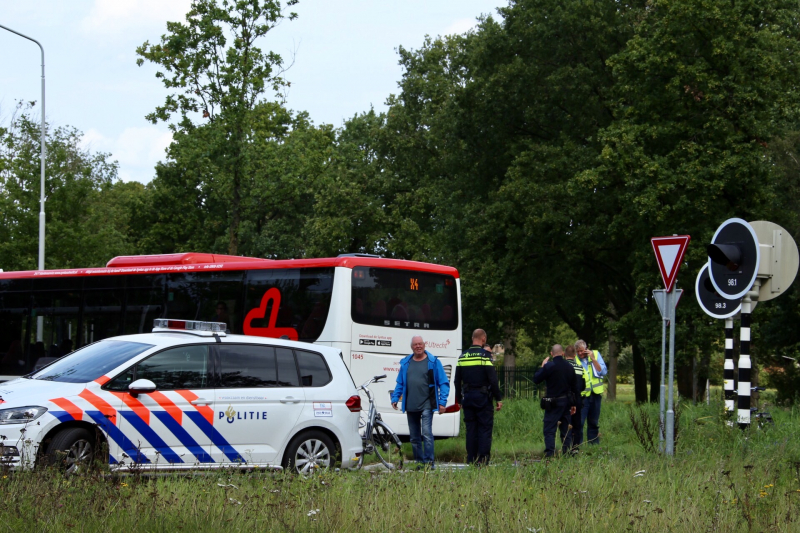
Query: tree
(551,145)
(281,165)
(218,76)
(493,127)
(701,89)
(87,209)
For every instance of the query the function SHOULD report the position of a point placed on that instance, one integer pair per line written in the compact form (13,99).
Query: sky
(345,61)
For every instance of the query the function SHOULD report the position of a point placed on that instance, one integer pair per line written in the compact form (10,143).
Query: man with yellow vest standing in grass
(476,386)
(594,373)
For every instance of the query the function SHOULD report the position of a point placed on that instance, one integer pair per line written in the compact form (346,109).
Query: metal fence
(517,382)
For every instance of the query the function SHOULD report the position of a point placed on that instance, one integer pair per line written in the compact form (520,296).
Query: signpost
(712,302)
(663,301)
(746,263)
(669,254)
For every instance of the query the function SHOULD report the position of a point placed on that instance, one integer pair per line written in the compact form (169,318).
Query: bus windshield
(91,362)
(404,299)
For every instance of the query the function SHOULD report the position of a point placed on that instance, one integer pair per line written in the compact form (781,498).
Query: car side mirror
(141,386)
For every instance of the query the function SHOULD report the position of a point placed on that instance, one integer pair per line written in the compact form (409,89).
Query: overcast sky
(345,62)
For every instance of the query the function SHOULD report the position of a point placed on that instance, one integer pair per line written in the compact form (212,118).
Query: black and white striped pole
(753,262)
(743,401)
(714,305)
(728,369)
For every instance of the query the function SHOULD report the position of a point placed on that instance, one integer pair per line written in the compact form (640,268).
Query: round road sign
(733,258)
(710,300)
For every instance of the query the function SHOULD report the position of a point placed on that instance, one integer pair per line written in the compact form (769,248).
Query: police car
(185,396)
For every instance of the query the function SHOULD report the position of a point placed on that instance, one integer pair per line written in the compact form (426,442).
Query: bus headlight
(21,415)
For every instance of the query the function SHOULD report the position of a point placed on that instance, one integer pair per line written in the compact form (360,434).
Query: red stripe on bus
(103,406)
(346,262)
(102,380)
(135,405)
(73,410)
(206,411)
(168,405)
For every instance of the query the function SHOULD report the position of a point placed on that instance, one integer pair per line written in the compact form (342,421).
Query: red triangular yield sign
(669,254)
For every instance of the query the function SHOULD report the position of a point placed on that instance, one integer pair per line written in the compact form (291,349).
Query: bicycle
(763,418)
(376,435)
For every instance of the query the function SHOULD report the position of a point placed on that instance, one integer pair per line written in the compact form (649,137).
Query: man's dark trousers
(479,422)
(576,433)
(559,413)
(591,414)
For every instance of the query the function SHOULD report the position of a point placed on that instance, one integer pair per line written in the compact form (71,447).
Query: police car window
(185,367)
(91,362)
(287,370)
(121,382)
(247,366)
(313,370)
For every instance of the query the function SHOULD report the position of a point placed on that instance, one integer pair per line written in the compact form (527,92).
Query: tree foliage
(218,75)
(87,210)
(538,153)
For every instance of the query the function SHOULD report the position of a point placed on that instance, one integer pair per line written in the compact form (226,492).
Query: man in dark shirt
(476,384)
(559,399)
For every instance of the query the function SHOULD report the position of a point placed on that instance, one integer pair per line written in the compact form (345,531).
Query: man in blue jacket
(423,386)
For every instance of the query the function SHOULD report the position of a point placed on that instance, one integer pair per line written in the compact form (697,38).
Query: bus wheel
(71,449)
(308,452)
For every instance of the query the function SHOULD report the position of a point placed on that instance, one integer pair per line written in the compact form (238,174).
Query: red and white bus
(366,306)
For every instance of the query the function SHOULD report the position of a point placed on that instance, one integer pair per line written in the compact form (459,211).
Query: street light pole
(41,158)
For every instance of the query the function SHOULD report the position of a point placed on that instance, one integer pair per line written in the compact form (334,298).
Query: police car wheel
(309,452)
(71,449)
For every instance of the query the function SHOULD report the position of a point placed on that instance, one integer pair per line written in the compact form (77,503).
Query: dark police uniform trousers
(559,375)
(476,384)
(576,433)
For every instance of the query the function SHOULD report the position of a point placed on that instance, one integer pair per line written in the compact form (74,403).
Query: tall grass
(721,479)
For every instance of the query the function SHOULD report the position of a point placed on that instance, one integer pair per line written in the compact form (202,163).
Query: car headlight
(21,415)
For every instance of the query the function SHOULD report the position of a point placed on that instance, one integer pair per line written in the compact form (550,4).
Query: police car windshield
(91,362)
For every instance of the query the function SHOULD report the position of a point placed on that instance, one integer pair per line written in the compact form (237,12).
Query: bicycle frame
(373,421)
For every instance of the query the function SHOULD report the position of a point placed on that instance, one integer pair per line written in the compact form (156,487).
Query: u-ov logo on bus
(271,330)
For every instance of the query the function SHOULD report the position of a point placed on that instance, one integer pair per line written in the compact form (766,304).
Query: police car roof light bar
(196,327)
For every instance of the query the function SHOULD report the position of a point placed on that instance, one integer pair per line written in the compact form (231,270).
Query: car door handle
(200,401)
(290,399)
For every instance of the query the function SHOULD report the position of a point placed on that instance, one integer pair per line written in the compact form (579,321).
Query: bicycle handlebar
(376,379)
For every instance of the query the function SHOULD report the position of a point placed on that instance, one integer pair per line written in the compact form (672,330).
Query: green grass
(721,479)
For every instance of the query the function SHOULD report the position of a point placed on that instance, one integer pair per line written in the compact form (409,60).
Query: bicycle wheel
(387,446)
(765,420)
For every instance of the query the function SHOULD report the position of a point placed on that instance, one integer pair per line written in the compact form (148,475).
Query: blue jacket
(440,380)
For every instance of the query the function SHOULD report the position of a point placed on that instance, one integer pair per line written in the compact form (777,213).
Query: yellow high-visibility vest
(593,384)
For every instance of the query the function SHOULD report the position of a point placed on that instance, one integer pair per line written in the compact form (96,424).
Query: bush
(784,377)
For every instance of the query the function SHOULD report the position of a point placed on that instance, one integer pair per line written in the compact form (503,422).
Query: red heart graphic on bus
(259,312)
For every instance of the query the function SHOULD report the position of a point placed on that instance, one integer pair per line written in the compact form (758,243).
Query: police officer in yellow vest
(476,385)
(576,433)
(595,371)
